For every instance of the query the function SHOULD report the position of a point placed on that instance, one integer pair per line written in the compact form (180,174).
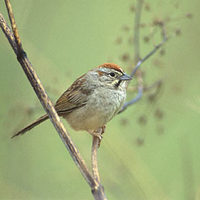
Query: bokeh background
(150,151)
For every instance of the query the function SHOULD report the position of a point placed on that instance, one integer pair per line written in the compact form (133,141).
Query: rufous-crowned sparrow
(92,100)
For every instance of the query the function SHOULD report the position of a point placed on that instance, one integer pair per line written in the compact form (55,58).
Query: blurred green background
(150,151)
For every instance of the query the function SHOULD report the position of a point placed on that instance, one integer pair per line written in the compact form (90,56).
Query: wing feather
(74,97)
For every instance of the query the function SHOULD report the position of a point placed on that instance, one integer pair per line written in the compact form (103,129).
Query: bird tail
(32,125)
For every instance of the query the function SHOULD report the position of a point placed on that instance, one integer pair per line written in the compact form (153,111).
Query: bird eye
(112,74)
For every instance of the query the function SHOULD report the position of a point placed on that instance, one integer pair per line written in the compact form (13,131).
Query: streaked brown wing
(74,97)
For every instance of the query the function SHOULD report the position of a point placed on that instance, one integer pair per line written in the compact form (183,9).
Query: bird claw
(99,136)
(98,133)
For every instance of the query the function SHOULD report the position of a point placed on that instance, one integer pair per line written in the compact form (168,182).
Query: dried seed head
(125,57)
(147,7)
(126,28)
(189,15)
(124,121)
(146,39)
(132,8)
(142,120)
(162,52)
(118,40)
(178,32)
(140,141)
(159,114)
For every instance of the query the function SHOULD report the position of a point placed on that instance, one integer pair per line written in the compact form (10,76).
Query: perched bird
(92,100)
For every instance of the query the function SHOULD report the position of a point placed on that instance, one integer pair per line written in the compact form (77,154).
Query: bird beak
(125,77)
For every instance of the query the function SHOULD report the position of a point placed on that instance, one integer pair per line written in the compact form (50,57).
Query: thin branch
(8,33)
(96,188)
(156,84)
(136,38)
(95,172)
(132,101)
(95,144)
(48,106)
(13,24)
(137,53)
(153,51)
(139,63)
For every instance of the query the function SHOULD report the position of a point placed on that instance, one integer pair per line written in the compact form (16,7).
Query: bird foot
(98,133)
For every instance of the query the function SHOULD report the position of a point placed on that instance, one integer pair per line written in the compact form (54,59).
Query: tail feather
(32,125)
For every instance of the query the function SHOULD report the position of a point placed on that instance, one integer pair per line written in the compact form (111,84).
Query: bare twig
(137,48)
(13,24)
(137,54)
(137,59)
(8,33)
(48,106)
(97,189)
(132,101)
(95,144)
(136,38)
(153,51)
(139,63)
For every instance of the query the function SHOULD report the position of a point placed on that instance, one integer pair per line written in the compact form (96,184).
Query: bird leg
(98,133)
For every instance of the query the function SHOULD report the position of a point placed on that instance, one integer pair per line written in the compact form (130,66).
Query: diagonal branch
(13,24)
(48,106)
(132,101)
(8,33)
(136,43)
(14,40)
(139,63)
(153,51)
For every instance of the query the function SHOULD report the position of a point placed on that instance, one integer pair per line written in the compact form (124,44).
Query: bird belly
(97,112)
